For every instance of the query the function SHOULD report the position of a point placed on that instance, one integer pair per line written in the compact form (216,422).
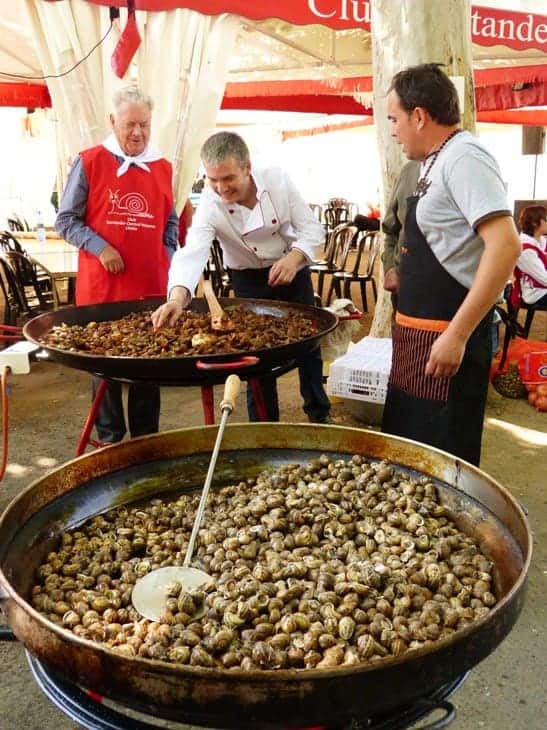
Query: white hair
(132,95)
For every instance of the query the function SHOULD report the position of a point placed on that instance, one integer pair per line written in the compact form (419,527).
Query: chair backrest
(33,294)
(335,217)
(339,246)
(338,203)
(11,306)
(10,243)
(16,300)
(368,246)
(15,224)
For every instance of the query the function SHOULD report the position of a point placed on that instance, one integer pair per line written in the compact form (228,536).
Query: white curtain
(64,32)
(181,63)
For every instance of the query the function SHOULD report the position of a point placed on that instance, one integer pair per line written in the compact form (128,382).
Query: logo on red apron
(134,204)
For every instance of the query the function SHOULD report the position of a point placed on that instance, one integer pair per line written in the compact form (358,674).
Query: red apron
(130,213)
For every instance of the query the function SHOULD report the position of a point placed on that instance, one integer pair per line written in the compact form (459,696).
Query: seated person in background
(268,236)
(531,269)
(366,223)
(373,210)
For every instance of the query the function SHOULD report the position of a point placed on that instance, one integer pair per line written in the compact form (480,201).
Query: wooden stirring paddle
(220,322)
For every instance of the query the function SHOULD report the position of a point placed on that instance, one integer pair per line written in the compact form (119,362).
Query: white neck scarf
(149,155)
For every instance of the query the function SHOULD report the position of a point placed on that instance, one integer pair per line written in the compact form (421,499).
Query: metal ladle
(151,591)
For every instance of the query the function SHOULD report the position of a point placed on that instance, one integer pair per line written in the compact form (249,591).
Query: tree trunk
(404,34)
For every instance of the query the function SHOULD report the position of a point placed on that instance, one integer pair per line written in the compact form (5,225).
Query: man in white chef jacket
(268,236)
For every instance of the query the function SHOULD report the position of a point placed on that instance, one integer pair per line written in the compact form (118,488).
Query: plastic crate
(363,372)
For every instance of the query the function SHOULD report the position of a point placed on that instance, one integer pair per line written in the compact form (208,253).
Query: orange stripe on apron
(430,325)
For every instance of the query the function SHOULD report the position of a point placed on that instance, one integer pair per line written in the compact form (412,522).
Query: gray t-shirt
(466,189)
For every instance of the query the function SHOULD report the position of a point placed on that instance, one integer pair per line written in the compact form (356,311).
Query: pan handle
(443,705)
(245,362)
(353,315)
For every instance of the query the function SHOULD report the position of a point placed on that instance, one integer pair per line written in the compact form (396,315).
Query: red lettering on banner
(352,10)
(489,26)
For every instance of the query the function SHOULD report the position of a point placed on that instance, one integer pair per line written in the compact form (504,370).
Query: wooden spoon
(220,322)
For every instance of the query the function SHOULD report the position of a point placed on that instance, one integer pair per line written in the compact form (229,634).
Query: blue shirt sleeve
(171,233)
(71,215)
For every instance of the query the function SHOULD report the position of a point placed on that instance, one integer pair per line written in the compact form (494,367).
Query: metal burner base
(95,713)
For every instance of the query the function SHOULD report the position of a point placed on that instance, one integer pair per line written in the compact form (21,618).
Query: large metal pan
(234,699)
(175,370)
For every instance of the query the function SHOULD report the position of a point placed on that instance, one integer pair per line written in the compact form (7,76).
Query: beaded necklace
(422,186)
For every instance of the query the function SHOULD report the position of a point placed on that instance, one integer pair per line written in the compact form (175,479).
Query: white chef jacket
(250,239)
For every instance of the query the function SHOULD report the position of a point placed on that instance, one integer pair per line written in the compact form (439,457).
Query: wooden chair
(361,271)
(335,253)
(16,224)
(11,301)
(28,289)
(335,217)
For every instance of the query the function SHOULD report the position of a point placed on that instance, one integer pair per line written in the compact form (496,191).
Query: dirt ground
(504,692)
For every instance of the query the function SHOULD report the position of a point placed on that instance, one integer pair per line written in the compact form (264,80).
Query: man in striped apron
(459,251)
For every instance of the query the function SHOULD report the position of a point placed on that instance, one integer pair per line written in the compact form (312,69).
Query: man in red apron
(117,209)
(459,250)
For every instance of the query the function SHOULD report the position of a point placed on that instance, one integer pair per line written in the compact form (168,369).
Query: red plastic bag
(518,348)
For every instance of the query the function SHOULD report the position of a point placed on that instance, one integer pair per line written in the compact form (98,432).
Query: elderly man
(460,248)
(117,209)
(268,235)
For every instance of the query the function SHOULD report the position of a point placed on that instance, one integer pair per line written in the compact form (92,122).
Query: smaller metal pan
(174,370)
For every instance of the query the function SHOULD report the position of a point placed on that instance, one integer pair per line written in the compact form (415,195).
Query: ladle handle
(231,390)
(213,303)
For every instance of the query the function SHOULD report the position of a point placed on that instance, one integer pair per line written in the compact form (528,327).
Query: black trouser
(253,284)
(143,411)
